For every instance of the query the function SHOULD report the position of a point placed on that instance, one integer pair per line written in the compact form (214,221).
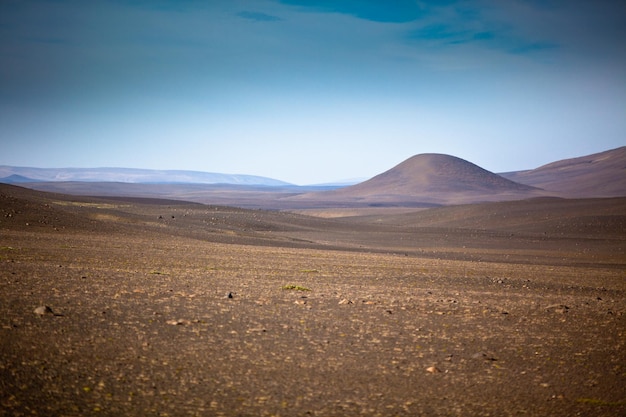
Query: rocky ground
(173,309)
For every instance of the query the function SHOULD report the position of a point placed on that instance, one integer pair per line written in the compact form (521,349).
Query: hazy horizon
(143,175)
(308,92)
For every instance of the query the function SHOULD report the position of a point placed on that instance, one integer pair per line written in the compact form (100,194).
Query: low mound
(432,178)
(436,173)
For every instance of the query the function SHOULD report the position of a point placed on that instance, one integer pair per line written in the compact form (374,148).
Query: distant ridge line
(11,174)
(601,174)
(420,181)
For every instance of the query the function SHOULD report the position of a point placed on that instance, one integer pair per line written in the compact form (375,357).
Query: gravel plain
(164,308)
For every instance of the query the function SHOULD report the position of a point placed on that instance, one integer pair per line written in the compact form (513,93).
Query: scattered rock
(42,310)
(558,308)
(45,311)
(483,355)
(257,330)
(178,322)
(345,301)
(433,370)
(229,295)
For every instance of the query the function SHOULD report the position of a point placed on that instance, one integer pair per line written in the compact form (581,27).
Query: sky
(309,92)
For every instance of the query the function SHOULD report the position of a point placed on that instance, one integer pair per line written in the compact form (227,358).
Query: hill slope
(597,217)
(434,179)
(598,175)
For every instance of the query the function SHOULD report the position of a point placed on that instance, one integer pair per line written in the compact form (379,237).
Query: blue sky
(309,91)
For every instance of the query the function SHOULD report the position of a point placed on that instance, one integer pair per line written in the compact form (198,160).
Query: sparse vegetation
(295,288)
(595,401)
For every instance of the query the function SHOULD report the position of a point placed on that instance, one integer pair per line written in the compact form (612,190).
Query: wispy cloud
(258,16)
(527,48)
(374,10)
(444,24)
(440,32)
(443,35)
(454,24)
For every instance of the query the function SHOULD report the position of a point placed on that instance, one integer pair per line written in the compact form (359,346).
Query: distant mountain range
(22,175)
(422,180)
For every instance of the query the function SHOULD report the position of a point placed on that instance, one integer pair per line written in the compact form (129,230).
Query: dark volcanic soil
(163,308)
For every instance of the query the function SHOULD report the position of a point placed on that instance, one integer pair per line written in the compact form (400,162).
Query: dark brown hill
(598,175)
(431,178)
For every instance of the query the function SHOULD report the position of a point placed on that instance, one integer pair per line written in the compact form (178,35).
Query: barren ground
(328,317)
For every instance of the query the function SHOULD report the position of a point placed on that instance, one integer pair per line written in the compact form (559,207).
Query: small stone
(433,370)
(229,295)
(345,301)
(44,310)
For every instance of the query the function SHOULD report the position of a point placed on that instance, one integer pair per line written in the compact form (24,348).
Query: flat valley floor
(166,308)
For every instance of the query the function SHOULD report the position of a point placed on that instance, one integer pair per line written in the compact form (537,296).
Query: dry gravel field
(172,309)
